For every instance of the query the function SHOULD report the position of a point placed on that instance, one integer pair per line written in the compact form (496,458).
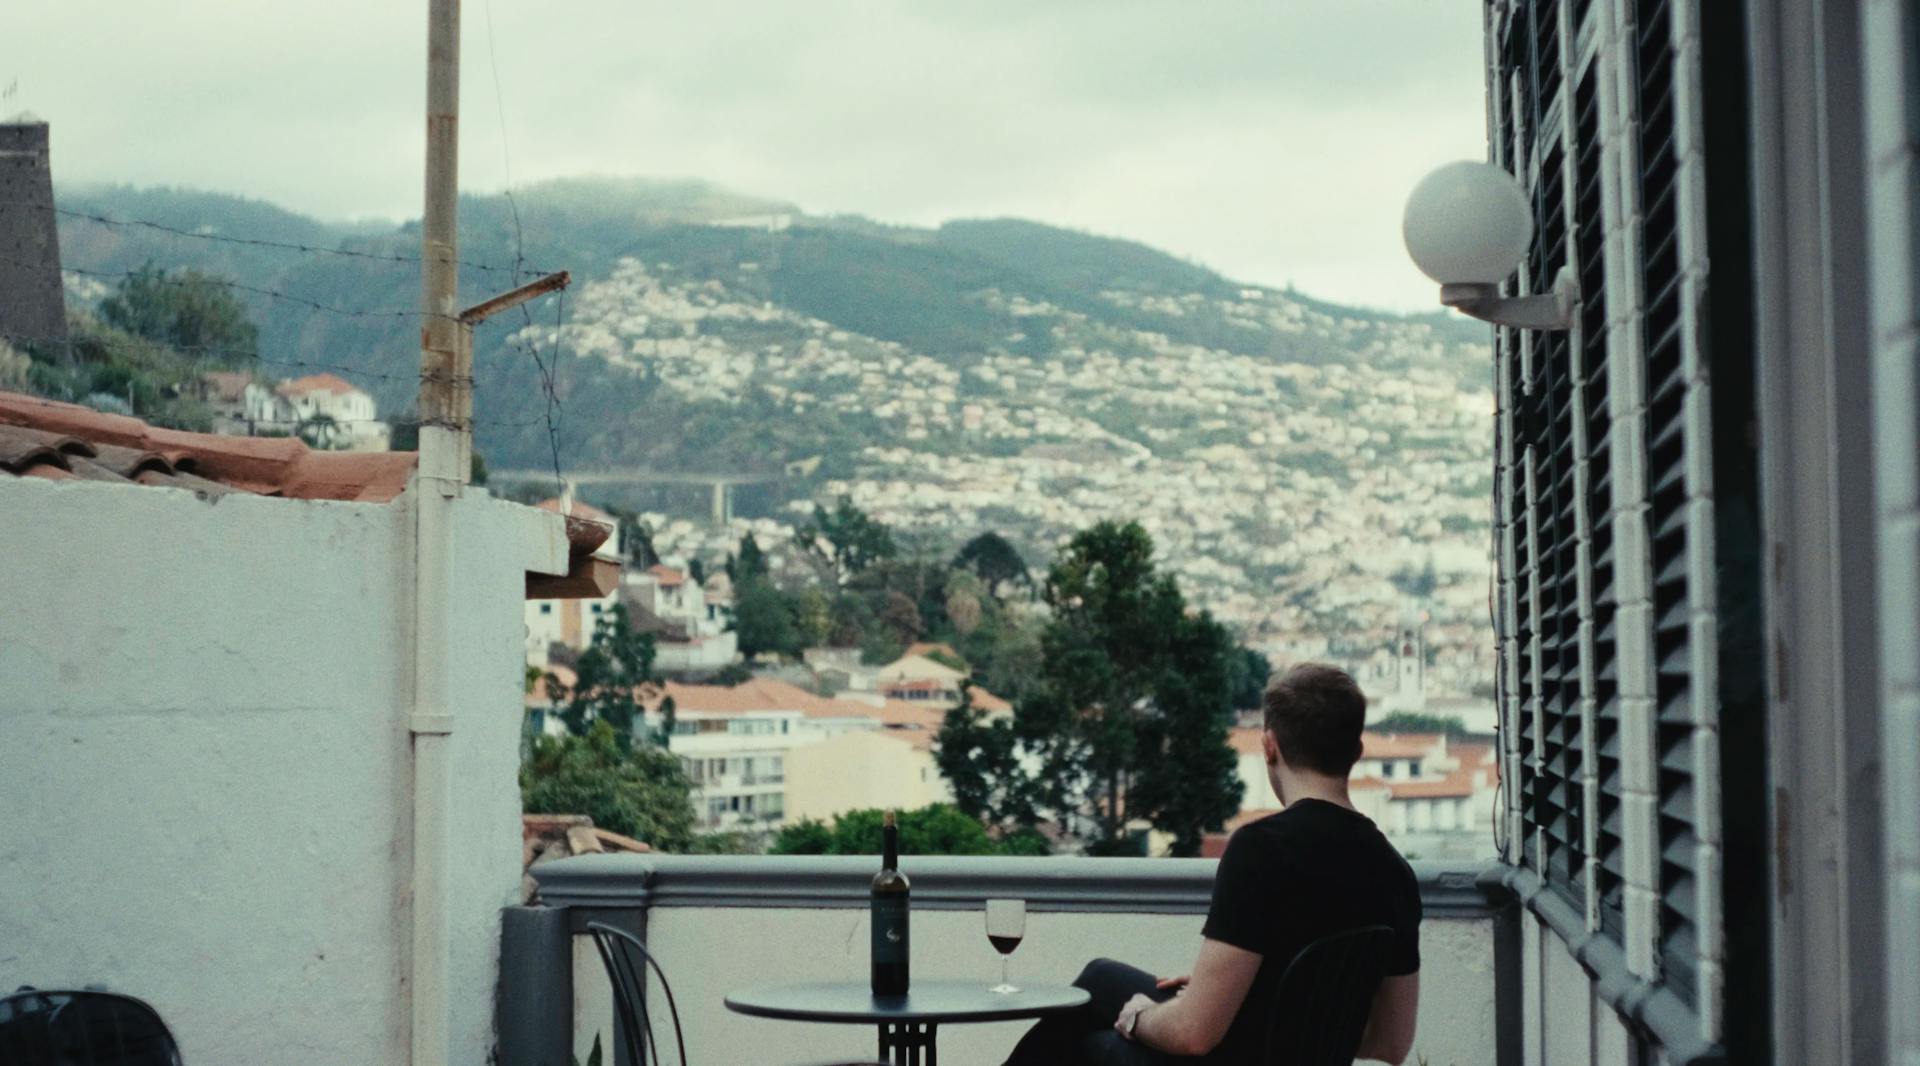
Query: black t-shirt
(1291,878)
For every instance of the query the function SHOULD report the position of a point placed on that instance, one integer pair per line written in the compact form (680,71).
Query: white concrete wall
(708,953)
(203,744)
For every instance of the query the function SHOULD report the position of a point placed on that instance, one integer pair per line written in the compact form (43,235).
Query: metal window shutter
(1668,524)
(1589,248)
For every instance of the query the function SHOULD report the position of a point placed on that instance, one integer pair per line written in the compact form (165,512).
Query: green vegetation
(609,673)
(184,309)
(1411,722)
(642,791)
(934,830)
(1129,711)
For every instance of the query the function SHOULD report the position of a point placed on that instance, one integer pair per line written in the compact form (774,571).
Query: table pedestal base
(908,1043)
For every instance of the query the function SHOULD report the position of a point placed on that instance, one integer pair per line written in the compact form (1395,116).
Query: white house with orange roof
(335,399)
(735,740)
(1408,783)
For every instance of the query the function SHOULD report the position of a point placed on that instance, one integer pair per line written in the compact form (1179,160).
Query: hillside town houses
(767,751)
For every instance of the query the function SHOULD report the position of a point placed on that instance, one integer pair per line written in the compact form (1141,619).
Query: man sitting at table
(1317,867)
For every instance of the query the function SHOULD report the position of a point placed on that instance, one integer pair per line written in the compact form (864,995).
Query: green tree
(981,761)
(995,561)
(1248,673)
(1130,709)
(764,619)
(1413,722)
(938,829)
(1186,774)
(855,540)
(636,540)
(849,618)
(749,562)
(642,792)
(610,672)
(187,309)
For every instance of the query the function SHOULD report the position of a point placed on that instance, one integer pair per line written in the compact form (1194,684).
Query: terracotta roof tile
(127,449)
(1456,785)
(1400,745)
(990,703)
(65,442)
(312,383)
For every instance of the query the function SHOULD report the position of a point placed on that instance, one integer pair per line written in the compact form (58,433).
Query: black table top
(926,1001)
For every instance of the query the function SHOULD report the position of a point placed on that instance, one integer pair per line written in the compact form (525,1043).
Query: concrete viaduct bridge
(721,483)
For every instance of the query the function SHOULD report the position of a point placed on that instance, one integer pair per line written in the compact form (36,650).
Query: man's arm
(1389,1033)
(1195,1021)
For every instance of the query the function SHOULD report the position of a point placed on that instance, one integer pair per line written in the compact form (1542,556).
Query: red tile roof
(1400,745)
(1456,785)
(67,442)
(990,703)
(667,576)
(63,441)
(312,383)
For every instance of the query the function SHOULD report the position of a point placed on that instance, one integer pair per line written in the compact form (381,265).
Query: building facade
(1704,603)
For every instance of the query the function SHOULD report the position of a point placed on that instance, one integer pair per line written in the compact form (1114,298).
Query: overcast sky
(1274,141)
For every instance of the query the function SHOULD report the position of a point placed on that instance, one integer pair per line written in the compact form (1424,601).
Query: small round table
(906,1023)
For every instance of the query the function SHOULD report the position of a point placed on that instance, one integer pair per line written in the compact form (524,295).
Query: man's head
(1314,715)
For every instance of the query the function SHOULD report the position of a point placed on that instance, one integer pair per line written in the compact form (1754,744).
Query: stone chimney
(32,303)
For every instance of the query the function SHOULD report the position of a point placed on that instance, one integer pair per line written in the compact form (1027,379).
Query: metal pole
(445,385)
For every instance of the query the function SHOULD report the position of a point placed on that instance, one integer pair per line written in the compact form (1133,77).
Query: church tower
(1410,660)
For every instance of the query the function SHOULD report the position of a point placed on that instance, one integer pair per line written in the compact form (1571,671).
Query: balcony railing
(721,923)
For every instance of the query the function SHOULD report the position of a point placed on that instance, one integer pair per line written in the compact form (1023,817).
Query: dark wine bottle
(889,918)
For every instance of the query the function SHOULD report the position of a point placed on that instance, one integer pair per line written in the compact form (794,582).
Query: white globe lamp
(1468,226)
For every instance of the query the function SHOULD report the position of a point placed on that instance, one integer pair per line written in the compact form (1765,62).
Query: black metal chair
(83,1028)
(627,961)
(1325,996)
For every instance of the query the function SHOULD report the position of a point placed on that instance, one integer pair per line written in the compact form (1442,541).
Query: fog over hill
(1287,454)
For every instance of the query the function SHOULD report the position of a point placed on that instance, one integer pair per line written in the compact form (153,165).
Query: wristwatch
(1133,1022)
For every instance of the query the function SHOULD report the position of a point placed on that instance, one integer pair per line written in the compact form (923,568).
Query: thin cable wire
(551,397)
(254,242)
(214,350)
(162,279)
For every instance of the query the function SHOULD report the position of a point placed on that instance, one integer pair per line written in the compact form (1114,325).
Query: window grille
(1589,247)
(1557,799)
(1668,516)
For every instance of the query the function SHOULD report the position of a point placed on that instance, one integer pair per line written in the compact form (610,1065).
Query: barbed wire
(253,242)
(214,350)
(548,390)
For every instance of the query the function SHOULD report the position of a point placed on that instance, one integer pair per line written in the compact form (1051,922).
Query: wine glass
(1006,925)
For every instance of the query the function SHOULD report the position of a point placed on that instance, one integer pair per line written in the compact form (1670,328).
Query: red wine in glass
(1006,925)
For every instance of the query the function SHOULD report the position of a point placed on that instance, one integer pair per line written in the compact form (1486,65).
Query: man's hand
(1179,983)
(1130,1014)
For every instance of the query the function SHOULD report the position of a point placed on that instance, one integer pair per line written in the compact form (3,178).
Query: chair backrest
(1325,995)
(627,960)
(84,1028)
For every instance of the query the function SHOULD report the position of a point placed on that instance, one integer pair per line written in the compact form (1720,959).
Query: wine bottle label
(890,944)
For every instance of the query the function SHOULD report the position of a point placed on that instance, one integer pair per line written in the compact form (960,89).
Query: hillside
(985,374)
